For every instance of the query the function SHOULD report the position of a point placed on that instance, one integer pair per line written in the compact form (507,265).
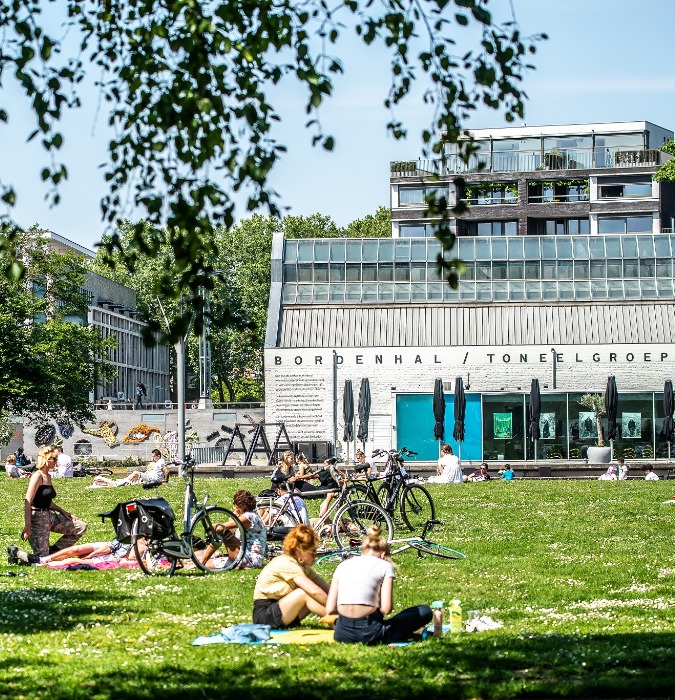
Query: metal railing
(527,161)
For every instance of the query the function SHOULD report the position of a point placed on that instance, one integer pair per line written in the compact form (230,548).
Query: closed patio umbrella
(364,412)
(535,413)
(668,407)
(611,406)
(439,409)
(348,413)
(460,410)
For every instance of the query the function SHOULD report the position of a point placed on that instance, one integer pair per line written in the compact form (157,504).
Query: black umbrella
(611,406)
(535,410)
(668,407)
(364,411)
(348,411)
(460,410)
(439,409)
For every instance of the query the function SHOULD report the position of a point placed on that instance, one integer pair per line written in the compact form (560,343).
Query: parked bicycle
(343,520)
(420,543)
(150,526)
(396,492)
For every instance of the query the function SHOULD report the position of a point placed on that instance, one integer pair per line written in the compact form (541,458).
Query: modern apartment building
(568,244)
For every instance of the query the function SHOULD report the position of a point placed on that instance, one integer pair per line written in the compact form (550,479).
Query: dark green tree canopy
(187,84)
(49,360)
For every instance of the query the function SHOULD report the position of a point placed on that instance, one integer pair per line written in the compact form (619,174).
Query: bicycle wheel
(149,555)
(437,550)
(352,521)
(417,507)
(211,553)
(337,557)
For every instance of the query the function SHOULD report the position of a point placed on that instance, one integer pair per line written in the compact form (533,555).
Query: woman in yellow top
(288,589)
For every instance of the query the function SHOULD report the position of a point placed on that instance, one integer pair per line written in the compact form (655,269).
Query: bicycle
(396,493)
(420,543)
(157,545)
(343,520)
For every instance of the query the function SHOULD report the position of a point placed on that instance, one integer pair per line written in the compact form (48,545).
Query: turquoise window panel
(415,426)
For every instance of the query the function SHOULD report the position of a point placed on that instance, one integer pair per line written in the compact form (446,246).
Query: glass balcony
(531,160)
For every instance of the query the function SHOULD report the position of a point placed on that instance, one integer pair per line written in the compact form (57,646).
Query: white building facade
(569,247)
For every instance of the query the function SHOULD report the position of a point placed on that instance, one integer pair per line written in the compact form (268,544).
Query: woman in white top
(449,470)
(362,593)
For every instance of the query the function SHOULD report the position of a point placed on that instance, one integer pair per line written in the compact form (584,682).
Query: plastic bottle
(437,608)
(455,616)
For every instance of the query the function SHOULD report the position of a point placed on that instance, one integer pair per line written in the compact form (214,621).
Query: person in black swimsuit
(42,515)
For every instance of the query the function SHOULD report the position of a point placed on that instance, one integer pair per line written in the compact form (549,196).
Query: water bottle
(455,616)
(437,609)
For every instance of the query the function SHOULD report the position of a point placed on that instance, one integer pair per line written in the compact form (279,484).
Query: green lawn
(580,573)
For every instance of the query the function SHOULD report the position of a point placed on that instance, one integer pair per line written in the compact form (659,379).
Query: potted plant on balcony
(600,453)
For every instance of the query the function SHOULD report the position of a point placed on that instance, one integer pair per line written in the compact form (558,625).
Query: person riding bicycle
(361,593)
(288,589)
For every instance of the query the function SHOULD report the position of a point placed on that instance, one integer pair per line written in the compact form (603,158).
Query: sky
(604,61)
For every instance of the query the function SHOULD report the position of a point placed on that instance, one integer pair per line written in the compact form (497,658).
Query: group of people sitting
(360,594)
(449,470)
(619,472)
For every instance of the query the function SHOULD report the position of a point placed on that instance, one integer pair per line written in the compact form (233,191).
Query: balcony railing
(527,161)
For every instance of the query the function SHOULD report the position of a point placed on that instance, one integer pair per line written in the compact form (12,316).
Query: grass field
(580,573)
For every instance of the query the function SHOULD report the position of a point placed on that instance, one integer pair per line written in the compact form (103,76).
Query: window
(559,191)
(416,231)
(490,228)
(624,224)
(637,189)
(492,193)
(558,227)
(420,195)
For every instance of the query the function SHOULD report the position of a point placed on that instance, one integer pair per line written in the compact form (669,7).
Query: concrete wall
(207,424)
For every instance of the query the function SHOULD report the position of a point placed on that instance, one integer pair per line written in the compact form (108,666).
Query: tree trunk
(230,388)
(601,437)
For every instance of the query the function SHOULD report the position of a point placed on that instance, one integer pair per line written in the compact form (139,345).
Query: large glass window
(491,193)
(635,426)
(635,189)
(503,427)
(552,443)
(490,228)
(420,195)
(625,224)
(558,227)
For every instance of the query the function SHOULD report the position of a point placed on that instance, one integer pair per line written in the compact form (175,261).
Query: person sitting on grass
(611,474)
(507,473)
(623,469)
(256,534)
(13,471)
(288,589)
(481,474)
(362,593)
(154,474)
(449,470)
(649,474)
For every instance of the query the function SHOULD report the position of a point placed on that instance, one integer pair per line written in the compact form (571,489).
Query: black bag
(156,519)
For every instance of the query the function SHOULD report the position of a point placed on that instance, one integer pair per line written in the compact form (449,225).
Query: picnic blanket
(263,634)
(98,563)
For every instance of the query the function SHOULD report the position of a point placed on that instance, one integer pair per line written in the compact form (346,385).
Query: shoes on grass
(12,557)
(482,624)
(18,556)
